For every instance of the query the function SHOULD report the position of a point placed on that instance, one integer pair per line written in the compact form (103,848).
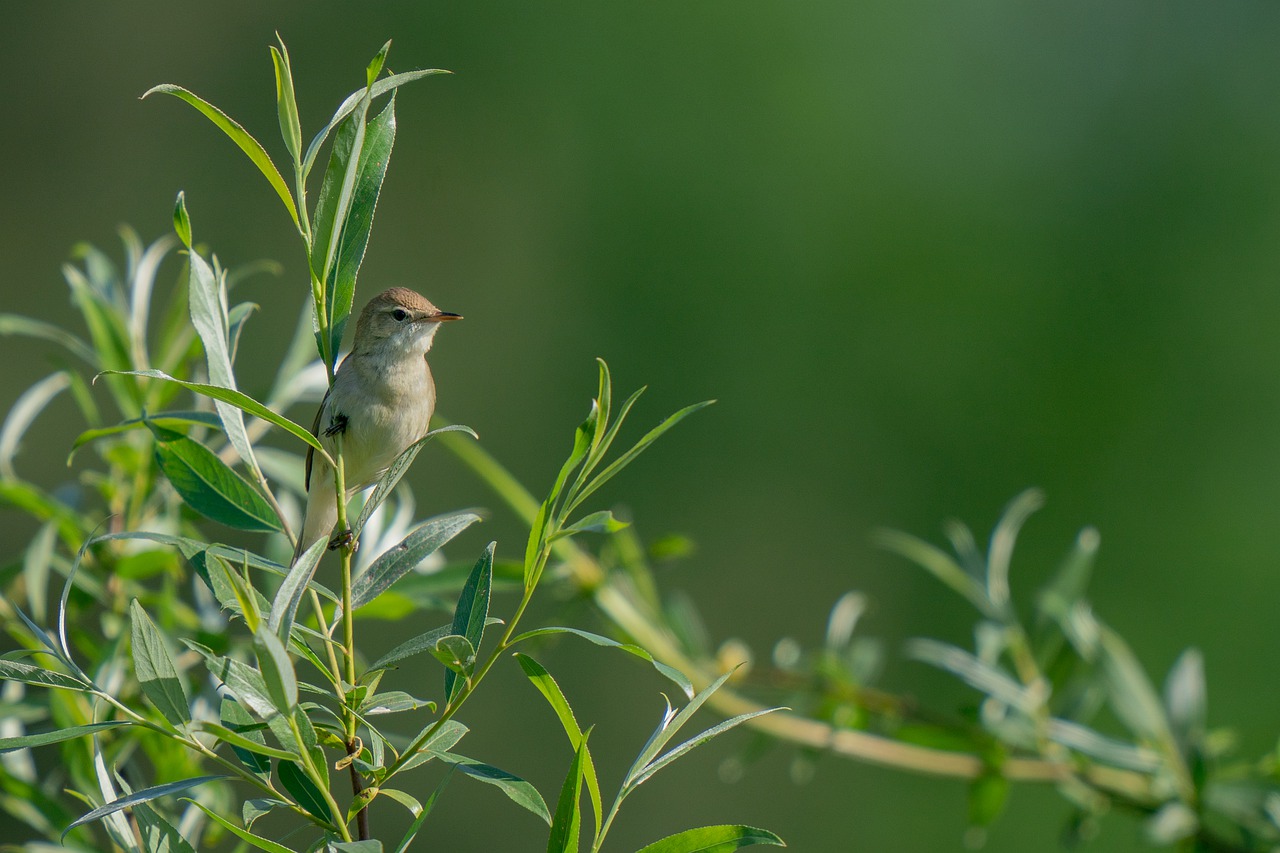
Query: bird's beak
(442,317)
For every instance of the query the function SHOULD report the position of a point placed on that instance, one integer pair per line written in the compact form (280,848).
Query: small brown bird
(380,402)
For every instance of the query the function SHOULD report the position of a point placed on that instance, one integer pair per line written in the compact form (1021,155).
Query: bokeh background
(925,255)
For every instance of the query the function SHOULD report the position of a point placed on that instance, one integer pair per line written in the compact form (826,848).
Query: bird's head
(399,318)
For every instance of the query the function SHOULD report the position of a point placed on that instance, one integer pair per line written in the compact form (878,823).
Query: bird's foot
(341,540)
(337,424)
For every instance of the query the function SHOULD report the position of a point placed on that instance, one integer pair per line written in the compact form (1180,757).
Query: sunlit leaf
(243,834)
(396,472)
(713,839)
(669,671)
(286,103)
(250,146)
(567,823)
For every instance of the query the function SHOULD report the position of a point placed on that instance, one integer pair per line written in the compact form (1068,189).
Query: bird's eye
(400,314)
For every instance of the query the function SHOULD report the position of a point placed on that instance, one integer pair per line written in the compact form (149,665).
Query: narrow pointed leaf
(671,724)
(422,643)
(24,411)
(182,220)
(421,815)
(153,665)
(14,324)
(209,486)
(143,796)
(425,540)
(243,742)
(693,743)
(352,101)
(640,446)
(566,826)
(361,195)
(158,835)
(277,670)
(9,744)
(397,471)
(292,588)
(12,670)
(286,103)
(596,522)
(304,790)
(518,790)
(241,401)
(250,146)
(713,839)
(166,420)
(669,671)
(547,686)
(243,834)
(472,612)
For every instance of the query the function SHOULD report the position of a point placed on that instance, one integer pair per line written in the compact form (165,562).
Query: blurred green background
(925,255)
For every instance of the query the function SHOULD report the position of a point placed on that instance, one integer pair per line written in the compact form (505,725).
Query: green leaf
(246,743)
(353,100)
(207,305)
(9,744)
(277,670)
(669,671)
(250,146)
(13,324)
(304,790)
(423,541)
(143,796)
(518,790)
(158,835)
(1000,553)
(357,187)
(257,807)
(1057,599)
(596,522)
(457,654)
(243,834)
(471,614)
(392,702)
(693,742)
(12,670)
(244,682)
(375,64)
(421,643)
(940,564)
(182,220)
(713,839)
(371,846)
(555,697)
(24,411)
(166,420)
(153,665)
(421,814)
(240,401)
(1184,697)
(286,103)
(667,729)
(987,797)
(246,738)
(209,486)
(292,588)
(566,826)
(640,446)
(988,678)
(397,471)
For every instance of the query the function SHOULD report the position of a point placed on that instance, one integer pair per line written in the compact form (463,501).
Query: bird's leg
(341,540)
(337,425)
